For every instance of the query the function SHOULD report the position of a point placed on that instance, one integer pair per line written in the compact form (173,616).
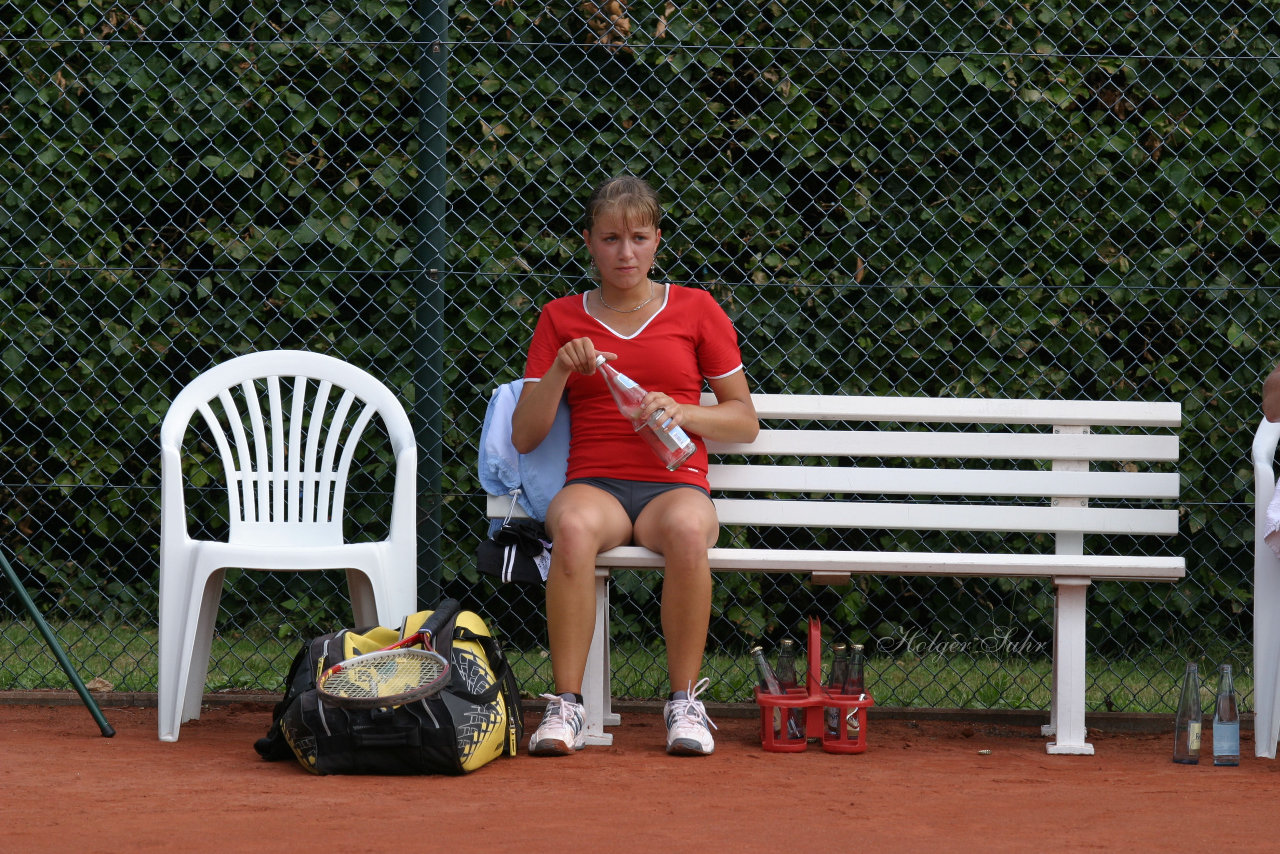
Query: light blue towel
(539,474)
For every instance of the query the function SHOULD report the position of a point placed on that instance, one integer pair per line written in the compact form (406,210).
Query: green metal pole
(430,262)
(56,648)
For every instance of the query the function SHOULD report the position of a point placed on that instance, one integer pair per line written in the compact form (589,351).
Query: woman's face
(623,251)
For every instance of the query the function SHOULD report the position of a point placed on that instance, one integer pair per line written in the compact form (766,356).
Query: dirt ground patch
(923,785)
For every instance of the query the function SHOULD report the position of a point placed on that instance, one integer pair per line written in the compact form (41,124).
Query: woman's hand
(579,356)
(536,410)
(731,419)
(655,400)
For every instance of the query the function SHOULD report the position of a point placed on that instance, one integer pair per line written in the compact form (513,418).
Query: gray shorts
(634,495)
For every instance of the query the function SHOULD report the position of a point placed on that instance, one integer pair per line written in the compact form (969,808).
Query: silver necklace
(652,293)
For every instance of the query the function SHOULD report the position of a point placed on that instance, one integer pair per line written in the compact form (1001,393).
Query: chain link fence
(1052,200)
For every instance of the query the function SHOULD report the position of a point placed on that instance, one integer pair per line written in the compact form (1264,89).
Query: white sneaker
(563,728)
(688,727)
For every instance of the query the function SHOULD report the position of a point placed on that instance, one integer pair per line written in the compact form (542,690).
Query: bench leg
(1066,709)
(1266,645)
(597,687)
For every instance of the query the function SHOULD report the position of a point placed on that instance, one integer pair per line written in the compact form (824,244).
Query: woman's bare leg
(681,525)
(582,522)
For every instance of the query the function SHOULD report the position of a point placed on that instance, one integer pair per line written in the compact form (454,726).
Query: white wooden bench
(926,464)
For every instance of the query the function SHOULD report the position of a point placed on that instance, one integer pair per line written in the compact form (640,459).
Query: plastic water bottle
(672,445)
(1186,725)
(1226,721)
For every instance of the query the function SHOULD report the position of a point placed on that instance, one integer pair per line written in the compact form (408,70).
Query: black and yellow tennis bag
(473,721)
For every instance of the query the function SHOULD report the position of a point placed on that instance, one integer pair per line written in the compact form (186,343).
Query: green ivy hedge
(1059,200)
(1062,199)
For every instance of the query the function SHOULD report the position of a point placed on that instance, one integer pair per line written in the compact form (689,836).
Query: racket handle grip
(443,613)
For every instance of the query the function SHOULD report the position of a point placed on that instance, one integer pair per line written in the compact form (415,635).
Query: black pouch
(516,552)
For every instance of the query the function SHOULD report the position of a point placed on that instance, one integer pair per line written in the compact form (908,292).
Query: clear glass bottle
(855,685)
(1226,721)
(768,683)
(1186,724)
(672,445)
(786,672)
(765,678)
(835,684)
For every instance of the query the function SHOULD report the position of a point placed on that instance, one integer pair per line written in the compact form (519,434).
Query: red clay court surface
(922,785)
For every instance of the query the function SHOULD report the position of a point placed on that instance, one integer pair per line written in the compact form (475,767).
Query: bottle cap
(600,360)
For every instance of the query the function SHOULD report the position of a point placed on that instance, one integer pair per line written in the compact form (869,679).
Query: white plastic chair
(286,448)
(1266,598)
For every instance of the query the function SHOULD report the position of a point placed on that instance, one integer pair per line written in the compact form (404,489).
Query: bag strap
(504,683)
(457,686)
(301,678)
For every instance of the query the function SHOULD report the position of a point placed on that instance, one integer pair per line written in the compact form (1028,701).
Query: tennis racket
(394,675)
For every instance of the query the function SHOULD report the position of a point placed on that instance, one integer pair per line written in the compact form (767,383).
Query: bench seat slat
(1095,413)
(1099,567)
(945,517)
(952,445)
(872,480)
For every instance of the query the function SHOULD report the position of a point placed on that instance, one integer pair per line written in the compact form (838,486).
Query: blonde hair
(627,195)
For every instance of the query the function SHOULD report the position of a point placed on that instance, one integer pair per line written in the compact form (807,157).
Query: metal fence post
(429,260)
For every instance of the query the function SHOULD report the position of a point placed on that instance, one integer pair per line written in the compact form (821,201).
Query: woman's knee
(584,523)
(684,525)
(689,533)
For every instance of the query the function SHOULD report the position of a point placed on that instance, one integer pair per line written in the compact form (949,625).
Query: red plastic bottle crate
(814,698)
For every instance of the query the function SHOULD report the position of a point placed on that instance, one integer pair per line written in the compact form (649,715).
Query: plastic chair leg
(186,637)
(201,646)
(364,600)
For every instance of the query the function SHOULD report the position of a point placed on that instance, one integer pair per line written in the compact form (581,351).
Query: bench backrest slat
(870,480)
(945,517)
(992,445)
(1096,413)
(922,517)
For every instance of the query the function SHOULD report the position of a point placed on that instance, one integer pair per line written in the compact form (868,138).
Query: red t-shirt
(689,340)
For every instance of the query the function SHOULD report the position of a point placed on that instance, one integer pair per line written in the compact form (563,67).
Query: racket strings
(383,676)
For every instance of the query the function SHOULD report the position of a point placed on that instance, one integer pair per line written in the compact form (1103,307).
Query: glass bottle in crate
(835,685)
(1186,725)
(786,673)
(768,682)
(672,445)
(855,684)
(1226,721)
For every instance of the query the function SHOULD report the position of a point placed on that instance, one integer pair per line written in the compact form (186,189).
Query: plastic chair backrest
(286,425)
